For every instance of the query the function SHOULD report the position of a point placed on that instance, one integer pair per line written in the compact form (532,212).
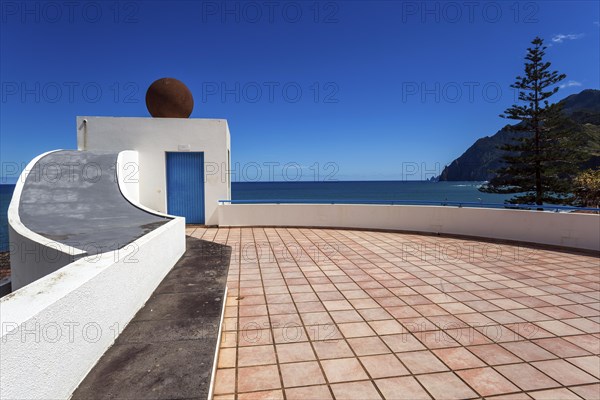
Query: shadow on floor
(168,348)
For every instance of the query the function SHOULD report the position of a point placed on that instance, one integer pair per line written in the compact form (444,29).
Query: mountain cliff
(484,156)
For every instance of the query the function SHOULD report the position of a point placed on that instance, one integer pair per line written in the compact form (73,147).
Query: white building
(93,232)
(181,164)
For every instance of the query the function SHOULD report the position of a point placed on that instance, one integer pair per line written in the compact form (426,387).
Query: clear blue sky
(383,84)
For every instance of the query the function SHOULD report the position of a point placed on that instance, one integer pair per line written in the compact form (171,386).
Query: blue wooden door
(185,186)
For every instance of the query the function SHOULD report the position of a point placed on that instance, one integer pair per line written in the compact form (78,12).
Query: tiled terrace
(320,314)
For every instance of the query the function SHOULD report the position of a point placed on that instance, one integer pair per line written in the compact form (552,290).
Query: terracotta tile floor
(343,314)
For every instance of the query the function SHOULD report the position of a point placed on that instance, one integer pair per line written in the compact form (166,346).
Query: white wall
(31,260)
(33,256)
(65,313)
(574,230)
(54,330)
(151,138)
(128,180)
(128,175)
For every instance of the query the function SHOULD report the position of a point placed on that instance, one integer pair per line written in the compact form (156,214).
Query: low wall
(574,230)
(32,259)
(33,256)
(54,330)
(71,305)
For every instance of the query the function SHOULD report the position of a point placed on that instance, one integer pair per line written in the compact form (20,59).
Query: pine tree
(542,159)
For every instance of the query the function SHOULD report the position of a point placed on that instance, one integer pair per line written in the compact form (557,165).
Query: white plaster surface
(152,138)
(55,329)
(128,175)
(128,180)
(32,255)
(580,231)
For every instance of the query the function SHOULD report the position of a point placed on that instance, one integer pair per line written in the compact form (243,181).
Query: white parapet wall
(33,256)
(573,230)
(54,330)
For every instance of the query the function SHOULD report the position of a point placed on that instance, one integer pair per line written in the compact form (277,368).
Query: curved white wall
(55,329)
(33,256)
(128,175)
(580,231)
(128,180)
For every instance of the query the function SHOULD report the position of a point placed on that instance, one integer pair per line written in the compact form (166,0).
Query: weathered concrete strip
(168,349)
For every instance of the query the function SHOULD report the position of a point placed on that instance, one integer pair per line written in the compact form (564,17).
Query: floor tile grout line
(526,392)
(269,317)
(385,344)
(317,360)
(582,334)
(443,363)
(237,354)
(238,298)
(371,234)
(491,366)
(484,312)
(345,339)
(410,371)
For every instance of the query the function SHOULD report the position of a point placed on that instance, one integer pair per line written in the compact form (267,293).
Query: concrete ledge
(55,329)
(571,230)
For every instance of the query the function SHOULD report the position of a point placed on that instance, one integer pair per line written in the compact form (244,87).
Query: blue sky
(362,89)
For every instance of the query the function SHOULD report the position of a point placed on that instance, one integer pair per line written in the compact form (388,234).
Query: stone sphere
(169,98)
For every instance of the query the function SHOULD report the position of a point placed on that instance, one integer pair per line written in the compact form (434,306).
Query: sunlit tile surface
(325,313)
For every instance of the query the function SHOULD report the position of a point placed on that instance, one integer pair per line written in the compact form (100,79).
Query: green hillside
(484,156)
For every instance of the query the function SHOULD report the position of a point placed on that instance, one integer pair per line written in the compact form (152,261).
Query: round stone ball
(169,98)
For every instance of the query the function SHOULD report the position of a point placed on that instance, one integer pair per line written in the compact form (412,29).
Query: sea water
(410,191)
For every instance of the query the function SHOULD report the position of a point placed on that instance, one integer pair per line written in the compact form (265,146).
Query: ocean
(364,190)
(5,195)
(412,191)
